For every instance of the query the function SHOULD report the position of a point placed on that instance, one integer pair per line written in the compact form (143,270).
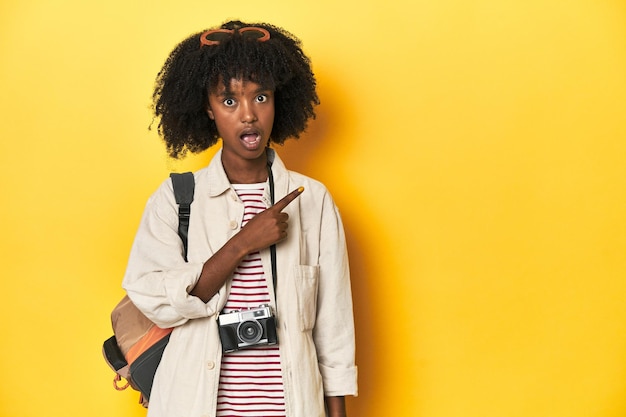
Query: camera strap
(270,179)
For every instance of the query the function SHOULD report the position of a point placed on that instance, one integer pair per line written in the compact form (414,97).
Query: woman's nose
(247,113)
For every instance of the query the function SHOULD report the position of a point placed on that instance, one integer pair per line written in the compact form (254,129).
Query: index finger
(284,202)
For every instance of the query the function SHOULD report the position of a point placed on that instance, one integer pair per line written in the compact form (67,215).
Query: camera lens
(250,331)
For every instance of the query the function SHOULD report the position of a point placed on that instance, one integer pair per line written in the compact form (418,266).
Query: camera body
(247,328)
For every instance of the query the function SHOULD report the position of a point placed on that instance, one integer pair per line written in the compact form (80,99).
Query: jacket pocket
(306,282)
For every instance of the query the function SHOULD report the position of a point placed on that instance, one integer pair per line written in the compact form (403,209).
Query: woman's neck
(246,172)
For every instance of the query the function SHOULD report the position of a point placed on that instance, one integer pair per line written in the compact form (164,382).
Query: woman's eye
(229,102)
(261,98)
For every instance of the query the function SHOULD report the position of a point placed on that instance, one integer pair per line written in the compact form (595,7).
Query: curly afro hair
(182,86)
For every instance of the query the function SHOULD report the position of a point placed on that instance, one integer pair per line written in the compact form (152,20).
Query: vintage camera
(247,328)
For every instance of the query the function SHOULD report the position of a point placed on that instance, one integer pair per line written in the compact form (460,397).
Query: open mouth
(251,139)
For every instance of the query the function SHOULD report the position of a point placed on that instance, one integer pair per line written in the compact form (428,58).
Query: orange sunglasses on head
(215,36)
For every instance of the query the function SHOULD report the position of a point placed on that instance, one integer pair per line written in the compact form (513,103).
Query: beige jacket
(314,311)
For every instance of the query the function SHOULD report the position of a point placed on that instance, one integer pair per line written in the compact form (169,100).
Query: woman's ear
(210,113)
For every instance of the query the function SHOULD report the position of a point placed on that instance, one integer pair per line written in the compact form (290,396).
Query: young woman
(262,310)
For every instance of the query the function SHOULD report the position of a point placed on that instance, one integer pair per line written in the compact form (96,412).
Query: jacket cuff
(178,284)
(339,382)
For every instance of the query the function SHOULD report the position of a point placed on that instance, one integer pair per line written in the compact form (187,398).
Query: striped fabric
(251,382)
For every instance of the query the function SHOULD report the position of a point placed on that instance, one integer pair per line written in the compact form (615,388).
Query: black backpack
(135,350)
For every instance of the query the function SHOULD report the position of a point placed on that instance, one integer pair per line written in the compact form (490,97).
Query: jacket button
(210,365)
(233,224)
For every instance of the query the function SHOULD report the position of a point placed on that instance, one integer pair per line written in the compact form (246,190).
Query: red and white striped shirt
(251,383)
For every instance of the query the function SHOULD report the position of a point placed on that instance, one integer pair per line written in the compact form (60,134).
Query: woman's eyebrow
(224,93)
(263,90)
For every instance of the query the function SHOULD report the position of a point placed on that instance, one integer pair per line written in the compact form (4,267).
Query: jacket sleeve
(334,330)
(158,279)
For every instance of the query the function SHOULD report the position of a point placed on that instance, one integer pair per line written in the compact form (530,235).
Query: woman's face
(243,112)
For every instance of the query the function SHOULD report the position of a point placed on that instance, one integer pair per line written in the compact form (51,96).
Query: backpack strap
(184,186)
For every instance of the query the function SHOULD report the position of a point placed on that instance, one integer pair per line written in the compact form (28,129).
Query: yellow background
(476,149)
